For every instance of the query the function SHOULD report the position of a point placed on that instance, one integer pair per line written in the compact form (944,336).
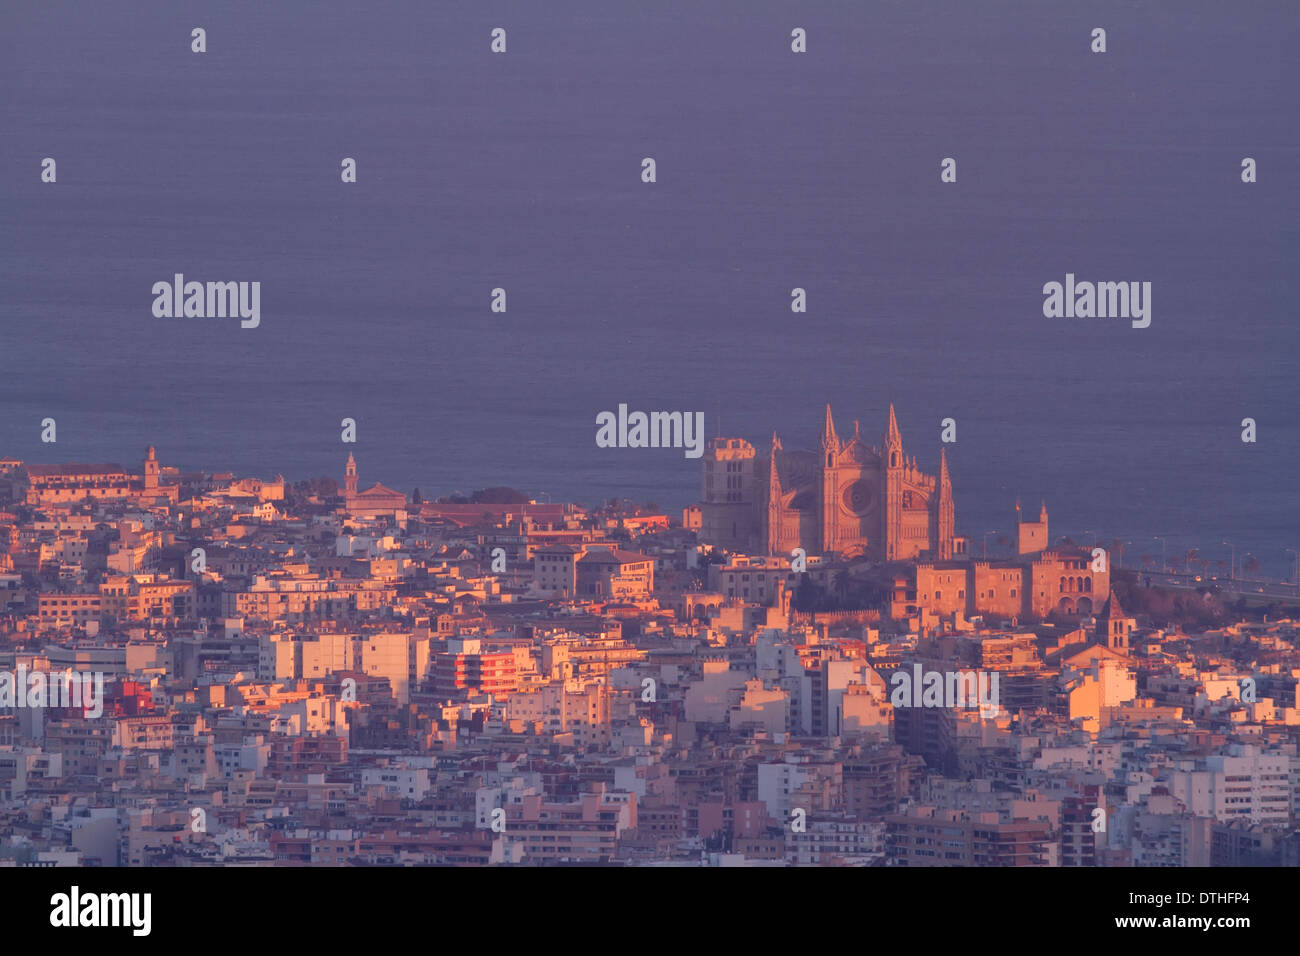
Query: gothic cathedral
(846,497)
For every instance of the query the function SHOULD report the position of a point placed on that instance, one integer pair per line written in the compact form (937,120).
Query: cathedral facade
(845,497)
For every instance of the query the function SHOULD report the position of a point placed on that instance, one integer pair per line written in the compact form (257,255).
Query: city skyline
(1280,566)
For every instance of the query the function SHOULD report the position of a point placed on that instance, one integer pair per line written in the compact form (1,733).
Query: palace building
(1039,582)
(845,497)
(76,483)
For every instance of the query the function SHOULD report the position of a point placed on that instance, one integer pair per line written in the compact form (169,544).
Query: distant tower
(151,470)
(892,453)
(1113,627)
(1031,536)
(946,511)
(350,476)
(730,507)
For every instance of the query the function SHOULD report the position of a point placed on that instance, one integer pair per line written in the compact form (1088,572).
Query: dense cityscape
(811,666)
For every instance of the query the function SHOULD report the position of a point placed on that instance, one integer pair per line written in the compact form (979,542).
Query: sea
(775,170)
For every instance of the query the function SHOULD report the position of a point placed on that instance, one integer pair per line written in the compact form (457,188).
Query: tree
(322,487)
(808,596)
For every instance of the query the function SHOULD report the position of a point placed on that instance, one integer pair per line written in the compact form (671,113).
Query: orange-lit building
(1067,580)
(463,668)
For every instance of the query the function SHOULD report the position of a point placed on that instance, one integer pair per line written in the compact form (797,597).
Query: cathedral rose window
(858,497)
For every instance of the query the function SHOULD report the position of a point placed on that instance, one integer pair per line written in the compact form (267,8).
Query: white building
(1248,785)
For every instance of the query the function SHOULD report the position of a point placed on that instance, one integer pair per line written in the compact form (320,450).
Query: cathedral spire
(892,435)
(945,512)
(773,523)
(829,440)
(893,444)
